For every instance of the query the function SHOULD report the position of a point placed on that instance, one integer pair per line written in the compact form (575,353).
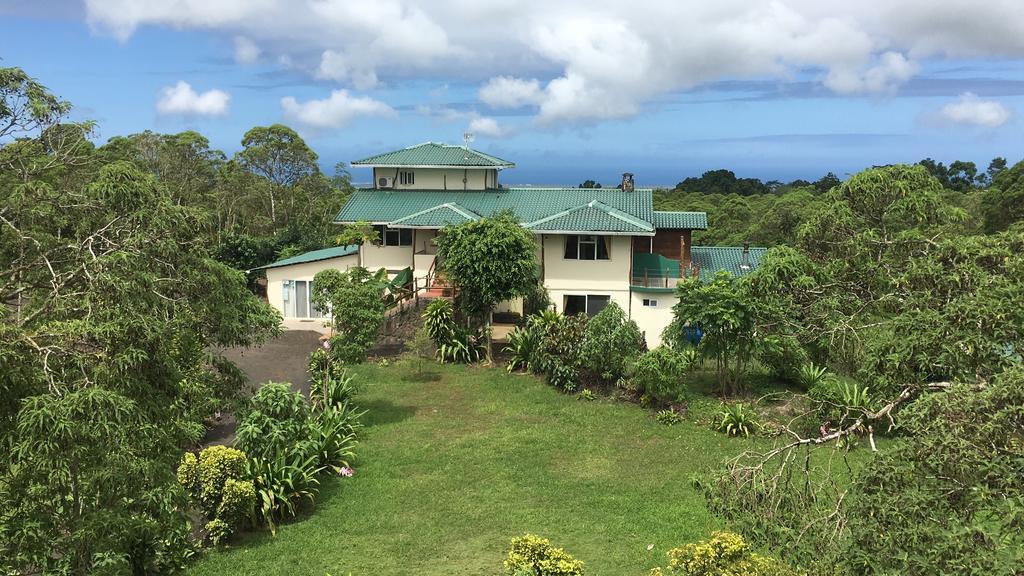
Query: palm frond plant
(736,420)
(439,320)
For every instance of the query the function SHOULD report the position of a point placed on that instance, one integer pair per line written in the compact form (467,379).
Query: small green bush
(783,357)
(334,436)
(439,320)
(535,556)
(558,356)
(610,342)
(724,554)
(277,421)
(660,373)
(840,402)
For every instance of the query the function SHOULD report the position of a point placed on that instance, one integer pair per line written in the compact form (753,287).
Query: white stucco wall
(441,178)
(393,258)
(305,271)
(591,276)
(652,321)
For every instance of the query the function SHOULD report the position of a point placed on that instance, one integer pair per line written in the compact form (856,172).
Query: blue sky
(793,92)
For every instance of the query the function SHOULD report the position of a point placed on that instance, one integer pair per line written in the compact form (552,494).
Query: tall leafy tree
(488,261)
(280,155)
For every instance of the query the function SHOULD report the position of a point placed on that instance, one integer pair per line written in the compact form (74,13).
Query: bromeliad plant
(282,483)
(523,343)
(811,375)
(736,420)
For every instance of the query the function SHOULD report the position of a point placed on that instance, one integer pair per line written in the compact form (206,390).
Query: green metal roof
(562,209)
(435,154)
(592,216)
(714,258)
(313,256)
(690,220)
(439,216)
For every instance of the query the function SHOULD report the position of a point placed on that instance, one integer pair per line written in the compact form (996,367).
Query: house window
(406,177)
(589,304)
(650,303)
(586,247)
(394,236)
(298,301)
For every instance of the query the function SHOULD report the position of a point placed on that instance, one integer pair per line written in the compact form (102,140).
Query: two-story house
(593,245)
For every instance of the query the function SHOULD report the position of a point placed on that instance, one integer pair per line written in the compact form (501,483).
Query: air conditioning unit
(385,182)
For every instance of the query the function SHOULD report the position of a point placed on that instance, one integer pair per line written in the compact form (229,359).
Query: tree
(26,105)
(723,311)
(107,354)
(995,167)
(723,182)
(950,500)
(487,261)
(590,184)
(962,175)
(355,299)
(1003,204)
(280,155)
(420,346)
(884,289)
(827,182)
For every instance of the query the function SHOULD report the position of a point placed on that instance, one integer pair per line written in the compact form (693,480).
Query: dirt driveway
(283,359)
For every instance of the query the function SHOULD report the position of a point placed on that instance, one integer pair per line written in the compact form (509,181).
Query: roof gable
(439,216)
(593,216)
(612,206)
(435,154)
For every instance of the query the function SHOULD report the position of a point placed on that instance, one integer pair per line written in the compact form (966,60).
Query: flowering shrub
(532,555)
(218,481)
(724,554)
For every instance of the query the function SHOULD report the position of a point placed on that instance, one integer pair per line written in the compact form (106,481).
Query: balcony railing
(649,279)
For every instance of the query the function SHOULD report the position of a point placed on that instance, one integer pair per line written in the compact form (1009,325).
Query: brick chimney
(627,182)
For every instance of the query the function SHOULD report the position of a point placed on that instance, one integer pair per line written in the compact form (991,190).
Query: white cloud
(246,51)
(892,70)
(580,60)
(339,67)
(485,126)
(479,125)
(970,109)
(182,100)
(336,111)
(509,92)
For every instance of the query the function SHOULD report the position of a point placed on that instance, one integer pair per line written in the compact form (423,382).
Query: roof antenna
(467,137)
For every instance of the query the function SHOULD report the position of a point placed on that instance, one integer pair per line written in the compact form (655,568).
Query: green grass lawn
(450,470)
